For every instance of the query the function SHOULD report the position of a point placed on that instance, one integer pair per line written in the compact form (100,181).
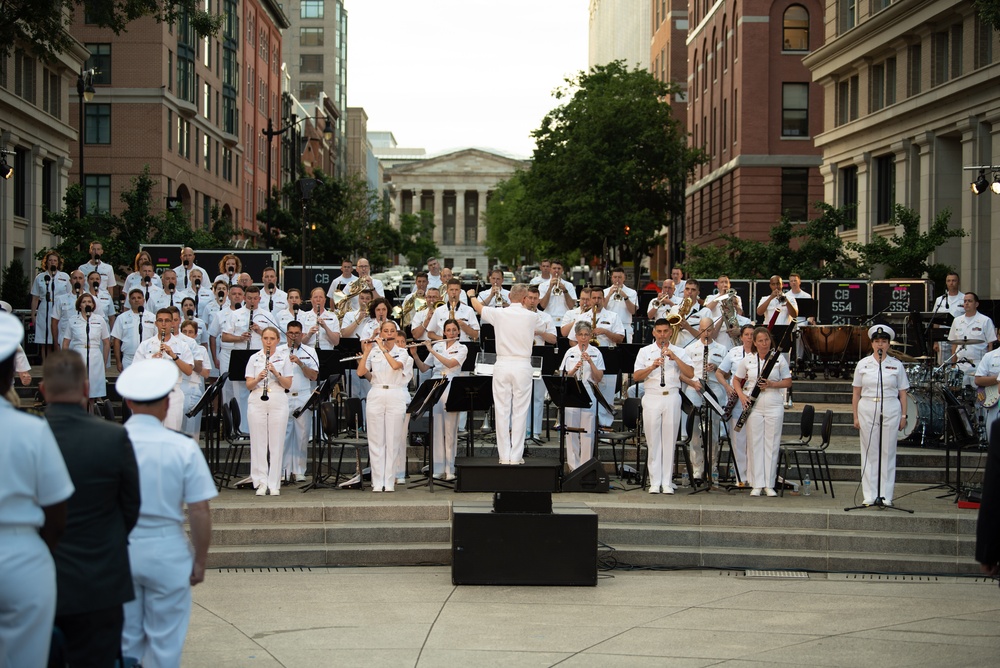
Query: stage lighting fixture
(980,185)
(6,171)
(995,186)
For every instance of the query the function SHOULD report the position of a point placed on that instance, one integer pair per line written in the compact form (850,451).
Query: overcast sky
(445,74)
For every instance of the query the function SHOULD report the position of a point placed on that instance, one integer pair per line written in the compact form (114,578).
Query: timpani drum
(826,344)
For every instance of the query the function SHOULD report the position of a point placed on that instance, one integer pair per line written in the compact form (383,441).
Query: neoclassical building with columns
(456,187)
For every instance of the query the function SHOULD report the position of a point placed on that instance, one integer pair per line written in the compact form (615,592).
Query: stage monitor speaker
(537,474)
(522,502)
(590,477)
(524,549)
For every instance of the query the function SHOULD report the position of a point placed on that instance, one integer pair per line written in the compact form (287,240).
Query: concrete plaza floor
(416,617)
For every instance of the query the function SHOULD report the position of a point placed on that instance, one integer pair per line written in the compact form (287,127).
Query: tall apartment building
(167,99)
(911,101)
(361,158)
(619,30)
(35,126)
(315,50)
(753,108)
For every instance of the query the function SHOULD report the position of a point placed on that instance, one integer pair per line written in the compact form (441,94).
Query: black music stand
(348,347)
(550,362)
(423,402)
(471,394)
(238,360)
(320,394)
(567,392)
(213,440)
(709,403)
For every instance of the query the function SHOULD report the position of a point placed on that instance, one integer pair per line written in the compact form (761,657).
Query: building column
(904,168)
(459,217)
(438,217)
(865,197)
(481,222)
(829,172)
(925,203)
(991,267)
(33,240)
(973,207)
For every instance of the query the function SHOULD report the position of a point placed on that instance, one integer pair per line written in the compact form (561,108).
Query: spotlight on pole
(995,186)
(981,184)
(6,171)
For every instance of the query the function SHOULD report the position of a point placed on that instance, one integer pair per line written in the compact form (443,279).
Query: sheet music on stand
(486,361)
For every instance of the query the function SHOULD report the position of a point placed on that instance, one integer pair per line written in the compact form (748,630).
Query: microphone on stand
(48,301)
(142,309)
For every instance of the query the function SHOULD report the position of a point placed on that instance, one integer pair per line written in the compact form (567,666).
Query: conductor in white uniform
(165,564)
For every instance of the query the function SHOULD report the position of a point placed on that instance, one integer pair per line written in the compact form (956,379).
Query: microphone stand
(86,317)
(48,309)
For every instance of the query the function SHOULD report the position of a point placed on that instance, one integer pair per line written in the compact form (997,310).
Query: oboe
(663,361)
(267,359)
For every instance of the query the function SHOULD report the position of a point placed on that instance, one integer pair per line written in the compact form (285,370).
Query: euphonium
(728,307)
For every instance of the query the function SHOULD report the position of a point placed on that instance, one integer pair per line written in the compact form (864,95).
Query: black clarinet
(263,394)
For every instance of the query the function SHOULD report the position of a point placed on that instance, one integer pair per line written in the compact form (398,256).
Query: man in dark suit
(988,530)
(93,577)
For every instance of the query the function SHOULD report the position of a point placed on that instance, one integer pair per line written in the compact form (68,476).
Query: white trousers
(764,437)
(229,389)
(156,621)
(739,440)
(267,421)
(579,445)
(27,598)
(445,436)
(297,434)
(511,400)
(696,446)
(661,415)
(175,410)
(868,415)
(191,425)
(384,415)
(607,387)
(537,424)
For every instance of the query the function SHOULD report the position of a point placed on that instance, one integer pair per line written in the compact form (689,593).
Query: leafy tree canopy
(416,232)
(44,25)
(989,12)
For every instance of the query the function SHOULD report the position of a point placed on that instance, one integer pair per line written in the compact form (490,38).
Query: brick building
(753,107)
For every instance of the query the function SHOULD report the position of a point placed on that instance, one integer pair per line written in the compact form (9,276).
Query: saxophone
(675,319)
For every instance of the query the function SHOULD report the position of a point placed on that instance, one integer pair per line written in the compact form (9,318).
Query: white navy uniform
(320,340)
(893,381)
(780,306)
(164,299)
(62,313)
(978,326)
(605,320)
(105,305)
(298,430)
(183,275)
(737,438)
(693,319)
(620,307)
(134,280)
(108,279)
(216,328)
(543,325)
(238,323)
(193,387)
(126,330)
(716,355)
(557,303)
(93,349)
(580,445)
(954,305)
(340,284)
(764,424)
(273,304)
(515,331)
(150,349)
(714,306)
(462,314)
(377,288)
(446,422)
(47,293)
(268,420)
(990,366)
(172,472)
(661,412)
(487,294)
(35,477)
(385,413)
(205,302)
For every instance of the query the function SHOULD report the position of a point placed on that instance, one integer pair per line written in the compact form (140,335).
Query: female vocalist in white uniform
(447,358)
(724,374)
(95,351)
(268,417)
(870,400)
(586,363)
(764,424)
(391,370)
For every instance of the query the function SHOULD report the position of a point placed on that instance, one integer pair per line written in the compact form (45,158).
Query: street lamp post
(85,91)
(271,133)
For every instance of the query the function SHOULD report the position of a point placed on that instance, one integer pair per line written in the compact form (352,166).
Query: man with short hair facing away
(659,367)
(131,328)
(92,568)
(166,346)
(621,300)
(515,332)
(106,271)
(557,295)
(48,285)
(305,371)
(165,564)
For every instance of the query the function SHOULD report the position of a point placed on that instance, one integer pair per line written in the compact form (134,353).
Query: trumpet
(267,360)
(557,288)
(618,295)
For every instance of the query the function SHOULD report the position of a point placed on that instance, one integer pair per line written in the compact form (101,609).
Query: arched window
(795,29)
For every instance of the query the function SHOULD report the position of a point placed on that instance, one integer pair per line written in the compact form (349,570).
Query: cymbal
(897,343)
(902,357)
(967,342)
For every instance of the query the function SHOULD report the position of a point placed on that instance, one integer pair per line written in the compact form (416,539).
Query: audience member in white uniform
(879,405)
(305,371)
(724,375)
(621,300)
(32,517)
(447,357)
(557,295)
(515,333)
(268,375)
(764,424)
(971,326)
(108,280)
(131,328)
(87,333)
(183,271)
(390,369)
(48,285)
(165,345)
(165,564)
(659,367)
(585,363)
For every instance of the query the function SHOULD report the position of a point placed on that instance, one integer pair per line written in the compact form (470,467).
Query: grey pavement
(416,617)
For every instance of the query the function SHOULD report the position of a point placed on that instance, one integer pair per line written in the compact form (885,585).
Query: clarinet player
(268,375)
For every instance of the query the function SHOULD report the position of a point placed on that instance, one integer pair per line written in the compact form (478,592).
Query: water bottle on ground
(807,486)
(715,477)
(684,477)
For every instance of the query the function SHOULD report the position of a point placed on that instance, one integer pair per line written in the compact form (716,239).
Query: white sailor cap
(882,331)
(147,380)
(11,333)
(5,306)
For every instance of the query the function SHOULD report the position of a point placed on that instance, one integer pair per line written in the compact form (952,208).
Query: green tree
(15,286)
(44,25)
(989,12)
(510,234)
(416,232)
(610,164)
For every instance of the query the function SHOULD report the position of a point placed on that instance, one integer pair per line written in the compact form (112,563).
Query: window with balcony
(795,110)
(795,29)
